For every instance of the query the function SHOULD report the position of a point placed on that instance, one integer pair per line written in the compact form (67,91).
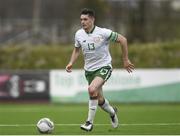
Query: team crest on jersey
(97,39)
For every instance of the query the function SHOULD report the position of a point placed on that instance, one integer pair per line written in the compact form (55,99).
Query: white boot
(88,126)
(114,119)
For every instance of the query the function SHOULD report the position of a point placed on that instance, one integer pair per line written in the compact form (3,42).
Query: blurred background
(37,38)
(54,22)
(36,42)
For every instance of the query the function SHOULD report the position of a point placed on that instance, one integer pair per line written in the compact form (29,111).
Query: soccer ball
(45,126)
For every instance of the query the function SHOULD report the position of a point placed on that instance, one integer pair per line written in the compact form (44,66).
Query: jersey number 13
(91,46)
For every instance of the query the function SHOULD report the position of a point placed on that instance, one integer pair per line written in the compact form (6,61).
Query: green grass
(134,119)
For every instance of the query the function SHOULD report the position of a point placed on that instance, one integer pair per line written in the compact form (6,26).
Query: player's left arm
(124,46)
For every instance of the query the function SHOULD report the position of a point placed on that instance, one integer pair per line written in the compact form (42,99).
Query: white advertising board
(65,84)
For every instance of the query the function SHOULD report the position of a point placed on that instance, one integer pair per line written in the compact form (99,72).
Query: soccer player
(94,42)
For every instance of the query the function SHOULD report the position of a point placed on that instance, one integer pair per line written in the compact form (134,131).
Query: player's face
(87,22)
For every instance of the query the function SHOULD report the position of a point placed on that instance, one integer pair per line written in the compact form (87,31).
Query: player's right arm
(74,57)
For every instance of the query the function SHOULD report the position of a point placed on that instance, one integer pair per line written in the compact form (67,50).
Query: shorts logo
(103,71)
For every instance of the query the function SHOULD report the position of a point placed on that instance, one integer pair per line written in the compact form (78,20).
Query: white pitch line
(135,124)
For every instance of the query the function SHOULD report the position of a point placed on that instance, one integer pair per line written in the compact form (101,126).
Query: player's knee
(92,91)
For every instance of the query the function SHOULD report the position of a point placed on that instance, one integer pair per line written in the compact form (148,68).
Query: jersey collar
(91,30)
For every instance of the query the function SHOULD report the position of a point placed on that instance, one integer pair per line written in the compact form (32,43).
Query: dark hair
(87,11)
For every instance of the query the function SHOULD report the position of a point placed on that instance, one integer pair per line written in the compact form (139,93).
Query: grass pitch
(139,119)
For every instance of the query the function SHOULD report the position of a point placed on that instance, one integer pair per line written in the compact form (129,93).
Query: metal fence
(54,22)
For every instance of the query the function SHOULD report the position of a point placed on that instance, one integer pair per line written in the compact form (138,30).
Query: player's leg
(93,90)
(105,105)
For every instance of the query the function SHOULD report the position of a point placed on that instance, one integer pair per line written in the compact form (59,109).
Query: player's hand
(69,68)
(128,65)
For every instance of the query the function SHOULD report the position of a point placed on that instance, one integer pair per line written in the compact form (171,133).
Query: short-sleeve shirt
(95,47)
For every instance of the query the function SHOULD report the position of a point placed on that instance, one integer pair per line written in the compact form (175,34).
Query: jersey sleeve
(110,35)
(77,42)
